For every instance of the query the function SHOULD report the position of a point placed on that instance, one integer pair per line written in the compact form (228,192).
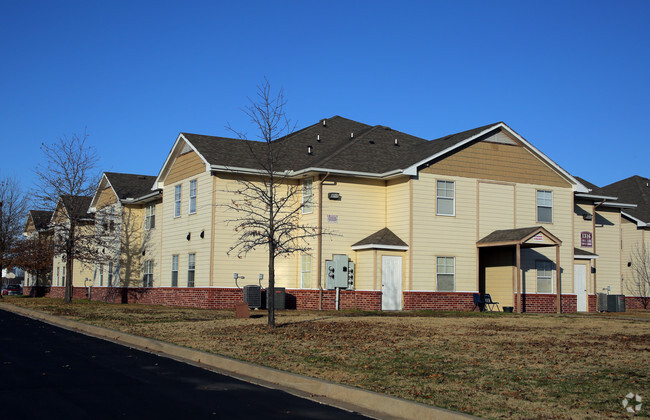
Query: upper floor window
(544,276)
(147,274)
(150,216)
(307,196)
(192,196)
(445,274)
(445,197)
(545,206)
(177,200)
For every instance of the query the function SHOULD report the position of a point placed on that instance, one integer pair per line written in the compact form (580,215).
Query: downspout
(593,229)
(320,241)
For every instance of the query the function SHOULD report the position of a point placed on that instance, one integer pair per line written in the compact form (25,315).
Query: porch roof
(581,254)
(382,239)
(528,237)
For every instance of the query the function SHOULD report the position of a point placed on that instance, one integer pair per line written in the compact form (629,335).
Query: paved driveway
(49,372)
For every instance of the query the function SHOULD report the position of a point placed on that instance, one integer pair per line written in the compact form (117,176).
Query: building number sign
(585,240)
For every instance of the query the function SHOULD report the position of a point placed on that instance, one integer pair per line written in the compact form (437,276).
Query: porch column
(518,300)
(558,283)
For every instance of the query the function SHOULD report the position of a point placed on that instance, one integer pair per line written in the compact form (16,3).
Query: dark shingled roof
(586,183)
(77,205)
(382,237)
(509,235)
(41,218)
(633,190)
(130,185)
(339,144)
(582,253)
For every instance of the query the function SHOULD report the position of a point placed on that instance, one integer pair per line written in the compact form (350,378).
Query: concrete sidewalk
(365,402)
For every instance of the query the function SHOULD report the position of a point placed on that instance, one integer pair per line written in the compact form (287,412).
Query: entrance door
(391,283)
(580,286)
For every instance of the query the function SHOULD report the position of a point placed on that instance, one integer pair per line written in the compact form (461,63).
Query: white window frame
(544,205)
(307,195)
(543,266)
(446,198)
(110,274)
(192,198)
(149,216)
(439,273)
(57,277)
(191,269)
(63,276)
(305,260)
(174,270)
(178,195)
(101,275)
(147,273)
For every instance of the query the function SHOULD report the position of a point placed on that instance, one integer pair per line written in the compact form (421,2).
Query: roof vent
(309,150)
(318,138)
(387,128)
(371,141)
(324,122)
(351,135)
(396,142)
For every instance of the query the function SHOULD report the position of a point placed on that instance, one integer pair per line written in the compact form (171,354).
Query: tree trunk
(271,291)
(68,265)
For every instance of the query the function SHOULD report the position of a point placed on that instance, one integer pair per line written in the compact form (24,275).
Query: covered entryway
(581,270)
(500,264)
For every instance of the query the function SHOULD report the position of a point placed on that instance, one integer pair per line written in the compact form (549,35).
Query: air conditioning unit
(616,303)
(253,296)
(602,302)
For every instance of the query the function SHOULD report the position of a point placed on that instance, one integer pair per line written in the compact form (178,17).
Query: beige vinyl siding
(106,198)
(608,245)
(132,247)
(498,162)
(176,230)
(29,226)
(496,204)
(444,236)
(632,240)
(499,275)
(184,167)
(364,270)
(398,220)
(581,225)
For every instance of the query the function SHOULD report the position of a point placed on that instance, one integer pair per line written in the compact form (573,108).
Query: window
(192,196)
(147,274)
(307,196)
(150,217)
(191,266)
(111,222)
(110,274)
(445,198)
(305,271)
(101,274)
(545,206)
(445,273)
(177,201)
(544,276)
(174,270)
(57,276)
(63,277)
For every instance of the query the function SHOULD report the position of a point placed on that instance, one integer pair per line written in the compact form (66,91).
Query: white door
(580,286)
(391,283)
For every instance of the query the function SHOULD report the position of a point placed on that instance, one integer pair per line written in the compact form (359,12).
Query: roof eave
(380,246)
(164,170)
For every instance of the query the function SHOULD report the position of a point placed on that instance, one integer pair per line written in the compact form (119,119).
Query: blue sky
(571,77)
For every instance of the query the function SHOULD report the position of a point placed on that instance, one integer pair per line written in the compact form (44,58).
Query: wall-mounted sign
(538,238)
(586,240)
(332,218)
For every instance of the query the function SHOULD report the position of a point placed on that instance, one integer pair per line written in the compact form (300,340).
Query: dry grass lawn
(490,365)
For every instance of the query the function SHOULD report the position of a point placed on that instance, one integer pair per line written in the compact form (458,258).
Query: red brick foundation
(635,302)
(369,300)
(438,301)
(547,303)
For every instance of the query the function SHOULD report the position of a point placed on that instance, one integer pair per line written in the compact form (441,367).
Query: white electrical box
(339,272)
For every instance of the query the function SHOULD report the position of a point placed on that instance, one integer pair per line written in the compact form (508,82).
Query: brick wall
(349,299)
(546,303)
(439,301)
(634,302)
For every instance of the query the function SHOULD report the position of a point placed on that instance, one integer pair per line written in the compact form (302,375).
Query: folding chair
(489,303)
(478,303)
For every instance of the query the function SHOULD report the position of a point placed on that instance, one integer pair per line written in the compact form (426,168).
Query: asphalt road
(48,372)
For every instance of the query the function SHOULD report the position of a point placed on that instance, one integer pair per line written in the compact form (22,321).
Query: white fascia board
(578,187)
(296,174)
(618,205)
(165,168)
(638,222)
(143,198)
(595,197)
(379,246)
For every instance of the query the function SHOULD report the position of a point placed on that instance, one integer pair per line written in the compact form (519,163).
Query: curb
(372,403)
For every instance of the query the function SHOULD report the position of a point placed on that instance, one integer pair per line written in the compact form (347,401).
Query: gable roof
(636,190)
(343,146)
(40,218)
(76,206)
(127,187)
(382,239)
(586,183)
(516,236)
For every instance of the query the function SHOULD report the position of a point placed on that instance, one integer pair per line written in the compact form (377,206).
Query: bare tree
(267,207)
(639,284)
(68,178)
(34,255)
(13,208)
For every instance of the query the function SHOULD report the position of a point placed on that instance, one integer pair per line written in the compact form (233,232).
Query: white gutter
(235,169)
(639,223)
(595,197)
(619,205)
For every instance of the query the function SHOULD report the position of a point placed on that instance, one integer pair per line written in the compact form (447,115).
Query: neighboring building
(37,226)
(634,231)
(125,210)
(75,207)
